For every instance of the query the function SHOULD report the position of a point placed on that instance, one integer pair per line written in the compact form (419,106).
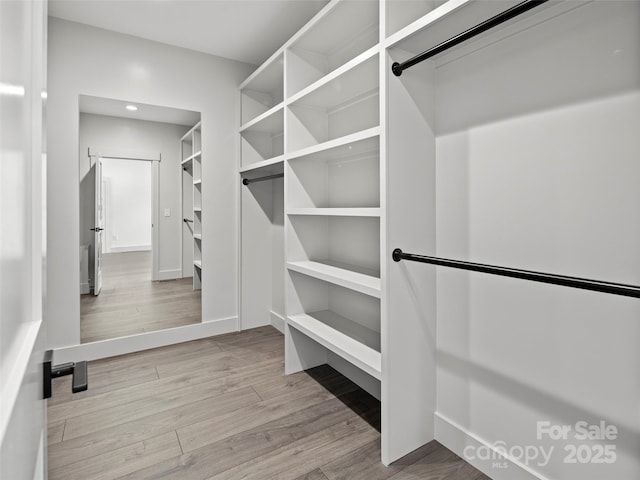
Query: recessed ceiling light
(133,108)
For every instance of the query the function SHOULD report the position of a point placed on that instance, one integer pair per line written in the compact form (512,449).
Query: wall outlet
(167,212)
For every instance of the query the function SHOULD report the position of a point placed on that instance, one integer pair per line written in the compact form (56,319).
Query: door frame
(155,159)
(23,252)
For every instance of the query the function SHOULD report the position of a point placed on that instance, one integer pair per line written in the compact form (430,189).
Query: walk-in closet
(513,146)
(411,227)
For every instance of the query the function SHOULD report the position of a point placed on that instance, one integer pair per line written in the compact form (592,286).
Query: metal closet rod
(575,282)
(502,17)
(247,181)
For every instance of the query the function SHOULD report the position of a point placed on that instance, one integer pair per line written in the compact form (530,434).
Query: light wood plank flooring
(131,303)
(221,408)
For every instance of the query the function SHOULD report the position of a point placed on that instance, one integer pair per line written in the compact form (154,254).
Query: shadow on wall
(551,407)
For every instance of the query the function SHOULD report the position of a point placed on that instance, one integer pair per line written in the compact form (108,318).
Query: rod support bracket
(396,69)
(397,255)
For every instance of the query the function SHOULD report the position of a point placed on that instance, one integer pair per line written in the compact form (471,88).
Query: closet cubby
(263,90)
(344,31)
(342,250)
(344,105)
(262,141)
(339,319)
(401,13)
(344,178)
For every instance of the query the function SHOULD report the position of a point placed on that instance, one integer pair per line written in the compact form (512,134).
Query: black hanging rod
(575,282)
(187,220)
(247,181)
(502,17)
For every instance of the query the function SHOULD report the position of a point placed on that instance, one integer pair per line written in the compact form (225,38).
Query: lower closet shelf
(353,342)
(358,279)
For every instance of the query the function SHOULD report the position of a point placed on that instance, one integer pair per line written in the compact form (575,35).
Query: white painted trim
(238,194)
(155,220)
(131,248)
(456,438)
(13,370)
(277,321)
(41,457)
(181,248)
(169,274)
(85,288)
(144,341)
(125,154)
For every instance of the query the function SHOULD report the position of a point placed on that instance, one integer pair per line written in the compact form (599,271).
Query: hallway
(130,303)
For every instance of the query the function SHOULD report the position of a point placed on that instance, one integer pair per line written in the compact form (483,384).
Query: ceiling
(244,30)
(154,113)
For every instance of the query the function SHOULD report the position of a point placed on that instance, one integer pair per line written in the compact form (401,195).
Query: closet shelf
(338,212)
(342,87)
(342,147)
(268,76)
(198,264)
(197,182)
(190,158)
(355,278)
(197,236)
(353,342)
(268,165)
(453,17)
(343,71)
(270,121)
(185,137)
(197,209)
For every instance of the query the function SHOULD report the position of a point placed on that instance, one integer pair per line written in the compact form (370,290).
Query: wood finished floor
(221,408)
(131,303)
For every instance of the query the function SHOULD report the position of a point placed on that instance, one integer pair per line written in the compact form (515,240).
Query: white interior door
(22,219)
(98,229)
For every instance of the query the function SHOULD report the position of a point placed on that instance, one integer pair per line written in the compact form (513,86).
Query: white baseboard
(277,321)
(85,288)
(456,438)
(144,341)
(169,274)
(130,248)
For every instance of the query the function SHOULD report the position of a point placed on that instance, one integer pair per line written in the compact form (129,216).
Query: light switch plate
(167,212)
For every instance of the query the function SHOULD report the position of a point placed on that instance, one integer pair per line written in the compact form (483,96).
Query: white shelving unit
(355,343)
(358,148)
(312,113)
(191,148)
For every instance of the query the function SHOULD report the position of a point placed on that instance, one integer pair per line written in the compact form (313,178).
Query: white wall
(91,61)
(545,180)
(510,352)
(128,205)
(127,135)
